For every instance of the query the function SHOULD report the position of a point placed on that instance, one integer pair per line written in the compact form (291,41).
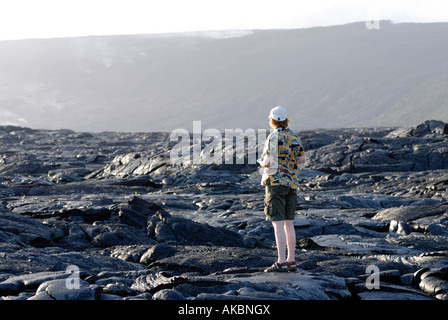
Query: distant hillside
(326,77)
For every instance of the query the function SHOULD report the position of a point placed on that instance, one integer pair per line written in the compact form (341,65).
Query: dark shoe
(291,266)
(277,267)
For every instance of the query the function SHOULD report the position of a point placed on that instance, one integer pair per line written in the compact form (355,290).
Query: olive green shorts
(280,203)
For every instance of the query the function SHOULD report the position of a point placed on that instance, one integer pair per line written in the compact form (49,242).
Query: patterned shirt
(284,147)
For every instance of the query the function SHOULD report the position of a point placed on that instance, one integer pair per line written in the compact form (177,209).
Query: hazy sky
(21,19)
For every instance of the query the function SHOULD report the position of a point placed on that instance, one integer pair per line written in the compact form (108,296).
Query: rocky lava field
(108,216)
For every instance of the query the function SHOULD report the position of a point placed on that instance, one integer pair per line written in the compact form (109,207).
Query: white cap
(278,113)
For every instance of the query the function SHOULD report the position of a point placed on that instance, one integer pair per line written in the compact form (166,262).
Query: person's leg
(290,234)
(290,213)
(280,240)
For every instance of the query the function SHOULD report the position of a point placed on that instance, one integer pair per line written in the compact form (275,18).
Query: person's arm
(265,161)
(266,158)
(299,154)
(301,159)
